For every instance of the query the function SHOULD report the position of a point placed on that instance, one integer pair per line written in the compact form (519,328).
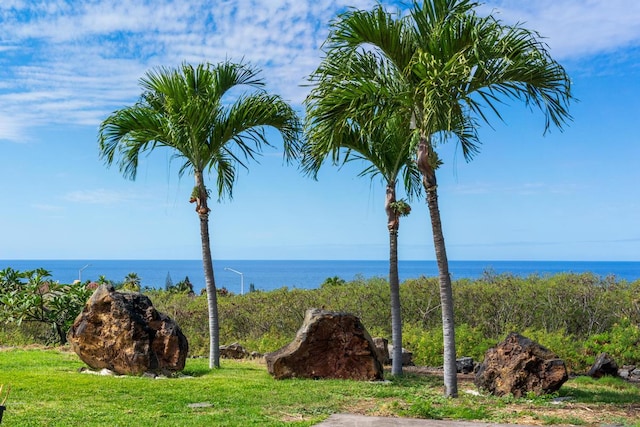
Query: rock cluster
(327,345)
(605,365)
(233,351)
(630,373)
(123,332)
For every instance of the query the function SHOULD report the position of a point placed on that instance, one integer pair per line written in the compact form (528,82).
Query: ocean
(239,275)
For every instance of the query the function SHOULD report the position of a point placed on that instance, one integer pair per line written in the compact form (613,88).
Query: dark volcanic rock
(465,365)
(123,332)
(604,365)
(327,345)
(518,366)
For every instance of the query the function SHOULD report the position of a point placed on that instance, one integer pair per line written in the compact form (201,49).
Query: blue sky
(65,65)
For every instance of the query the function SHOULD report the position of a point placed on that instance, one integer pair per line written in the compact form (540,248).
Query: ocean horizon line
(238,275)
(326,259)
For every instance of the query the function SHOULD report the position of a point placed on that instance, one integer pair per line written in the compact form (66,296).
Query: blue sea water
(269,275)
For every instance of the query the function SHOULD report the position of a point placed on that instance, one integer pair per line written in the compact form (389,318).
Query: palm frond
(182,109)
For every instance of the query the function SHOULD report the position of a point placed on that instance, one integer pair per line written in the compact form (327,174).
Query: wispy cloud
(74,62)
(576,28)
(98,197)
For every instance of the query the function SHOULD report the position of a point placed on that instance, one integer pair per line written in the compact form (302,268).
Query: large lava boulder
(327,345)
(519,366)
(123,332)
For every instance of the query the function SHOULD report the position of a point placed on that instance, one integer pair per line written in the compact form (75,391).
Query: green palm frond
(390,33)
(183,109)
(352,116)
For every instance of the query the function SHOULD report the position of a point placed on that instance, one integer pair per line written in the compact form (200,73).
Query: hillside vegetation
(575,315)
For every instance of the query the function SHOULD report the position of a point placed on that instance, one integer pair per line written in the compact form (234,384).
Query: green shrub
(622,343)
(568,348)
(426,346)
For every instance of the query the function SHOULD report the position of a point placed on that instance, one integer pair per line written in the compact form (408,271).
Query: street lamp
(241,279)
(80,272)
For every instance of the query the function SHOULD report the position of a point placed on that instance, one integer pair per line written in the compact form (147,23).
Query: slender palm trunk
(394,281)
(212,294)
(426,165)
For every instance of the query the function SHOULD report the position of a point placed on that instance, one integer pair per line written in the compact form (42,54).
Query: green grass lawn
(48,390)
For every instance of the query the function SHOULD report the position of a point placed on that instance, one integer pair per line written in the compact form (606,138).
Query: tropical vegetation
(192,112)
(442,68)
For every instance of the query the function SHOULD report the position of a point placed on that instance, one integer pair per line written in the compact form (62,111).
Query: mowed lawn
(47,389)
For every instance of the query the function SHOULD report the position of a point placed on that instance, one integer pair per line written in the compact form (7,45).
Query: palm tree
(376,137)
(132,282)
(449,67)
(188,110)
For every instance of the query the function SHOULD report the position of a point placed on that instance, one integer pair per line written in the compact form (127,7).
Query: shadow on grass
(199,367)
(604,390)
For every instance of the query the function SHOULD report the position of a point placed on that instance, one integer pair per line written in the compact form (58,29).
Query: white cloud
(576,28)
(75,62)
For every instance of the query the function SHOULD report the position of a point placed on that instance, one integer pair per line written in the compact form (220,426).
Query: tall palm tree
(188,110)
(377,138)
(453,66)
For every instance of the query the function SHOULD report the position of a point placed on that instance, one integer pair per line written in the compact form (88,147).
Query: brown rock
(518,366)
(123,332)
(382,350)
(233,351)
(327,345)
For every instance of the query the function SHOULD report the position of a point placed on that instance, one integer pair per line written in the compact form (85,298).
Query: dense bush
(575,315)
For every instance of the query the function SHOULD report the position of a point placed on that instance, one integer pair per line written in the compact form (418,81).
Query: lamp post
(241,279)
(80,272)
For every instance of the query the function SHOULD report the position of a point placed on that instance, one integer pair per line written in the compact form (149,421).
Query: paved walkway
(348,420)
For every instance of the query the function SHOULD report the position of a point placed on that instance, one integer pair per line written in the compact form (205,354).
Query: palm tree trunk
(426,163)
(212,294)
(394,282)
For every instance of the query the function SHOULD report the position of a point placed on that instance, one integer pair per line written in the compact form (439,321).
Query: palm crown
(455,65)
(186,110)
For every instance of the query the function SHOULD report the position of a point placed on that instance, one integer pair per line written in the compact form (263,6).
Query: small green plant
(400,207)
(424,409)
(553,420)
